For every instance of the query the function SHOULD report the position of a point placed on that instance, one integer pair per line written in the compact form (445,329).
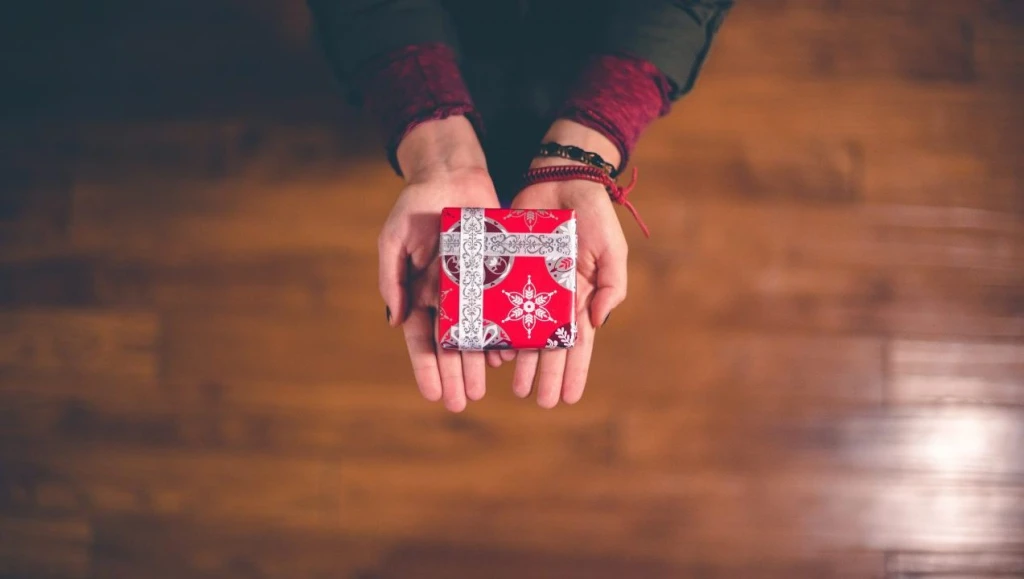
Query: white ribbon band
(547,245)
(472,244)
(471,279)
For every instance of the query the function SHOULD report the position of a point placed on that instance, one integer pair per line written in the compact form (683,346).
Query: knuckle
(388,240)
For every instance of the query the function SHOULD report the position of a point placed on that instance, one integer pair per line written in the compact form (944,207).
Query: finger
(474,374)
(577,363)
(549,377)
(449,365)
(494,360)
(507,355)
(526,369)
(391,277)
(611,283)
(419,339)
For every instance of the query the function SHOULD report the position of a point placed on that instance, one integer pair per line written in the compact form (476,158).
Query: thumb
(611,285)
(393,269)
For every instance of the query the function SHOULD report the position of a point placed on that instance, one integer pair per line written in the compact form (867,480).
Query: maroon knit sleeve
(618,96)
(411,85)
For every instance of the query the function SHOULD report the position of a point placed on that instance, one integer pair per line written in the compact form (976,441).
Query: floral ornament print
(440,303)
(530,216)
(528,306)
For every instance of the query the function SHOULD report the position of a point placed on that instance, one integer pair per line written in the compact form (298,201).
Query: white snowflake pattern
(528,306)
(530,216)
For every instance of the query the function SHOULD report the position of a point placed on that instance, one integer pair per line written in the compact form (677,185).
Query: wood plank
(47,548)
(215,150)
(908,236)
(916,271)
(439,560)
(220,486)
(950,564)
(84,342)
(744,368)
(302,282)
(290,348)
(171,548)
(901,173)
(160,547)
(801,43)
(331,420)
(953,372)
(869,111)
(233,191)
(955,443)
(783,169)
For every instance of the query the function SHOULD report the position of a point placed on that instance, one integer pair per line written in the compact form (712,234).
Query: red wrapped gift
(508,279)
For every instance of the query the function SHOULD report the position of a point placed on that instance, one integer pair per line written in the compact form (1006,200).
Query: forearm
(398,59)
(440,147)
(411,86)
(617,96)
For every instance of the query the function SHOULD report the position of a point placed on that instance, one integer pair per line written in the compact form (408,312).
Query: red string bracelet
(618,193)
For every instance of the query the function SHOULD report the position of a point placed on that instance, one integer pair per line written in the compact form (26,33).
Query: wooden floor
(819,371)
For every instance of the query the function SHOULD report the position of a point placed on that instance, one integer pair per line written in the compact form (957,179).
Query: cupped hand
(600,269)
(444,167)
(600,287)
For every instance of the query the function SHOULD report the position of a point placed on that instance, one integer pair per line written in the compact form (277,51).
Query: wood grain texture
(80,342)
(976,373)
(45,547)
(817,372)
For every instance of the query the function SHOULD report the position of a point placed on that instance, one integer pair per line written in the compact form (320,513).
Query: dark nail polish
(606,319)
(387,310)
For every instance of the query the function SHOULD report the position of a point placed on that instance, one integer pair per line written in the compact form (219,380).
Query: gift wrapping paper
(508,279)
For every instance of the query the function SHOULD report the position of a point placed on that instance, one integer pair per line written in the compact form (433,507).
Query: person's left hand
(600,287)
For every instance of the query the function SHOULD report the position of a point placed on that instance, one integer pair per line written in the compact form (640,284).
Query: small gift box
(508,279)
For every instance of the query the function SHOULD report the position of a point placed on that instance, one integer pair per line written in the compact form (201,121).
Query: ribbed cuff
(618,96)
(412,85)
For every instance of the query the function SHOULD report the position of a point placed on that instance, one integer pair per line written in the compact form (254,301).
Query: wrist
(440,146)
(567,132)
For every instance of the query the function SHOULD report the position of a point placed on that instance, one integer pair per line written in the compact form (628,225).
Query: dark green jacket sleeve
(352,32)
(674,35)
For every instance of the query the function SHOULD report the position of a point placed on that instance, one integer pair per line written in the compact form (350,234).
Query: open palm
(408,251)
(600,287)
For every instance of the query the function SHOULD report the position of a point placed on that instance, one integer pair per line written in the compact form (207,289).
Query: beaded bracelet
(618,193)
(574,153)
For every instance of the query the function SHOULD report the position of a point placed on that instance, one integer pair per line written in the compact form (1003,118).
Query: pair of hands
(444,166)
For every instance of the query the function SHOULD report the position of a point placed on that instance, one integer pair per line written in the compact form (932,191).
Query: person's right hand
(444,166)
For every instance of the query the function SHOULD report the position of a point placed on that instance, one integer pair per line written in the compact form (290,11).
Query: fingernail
(387,310)
(606,319)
